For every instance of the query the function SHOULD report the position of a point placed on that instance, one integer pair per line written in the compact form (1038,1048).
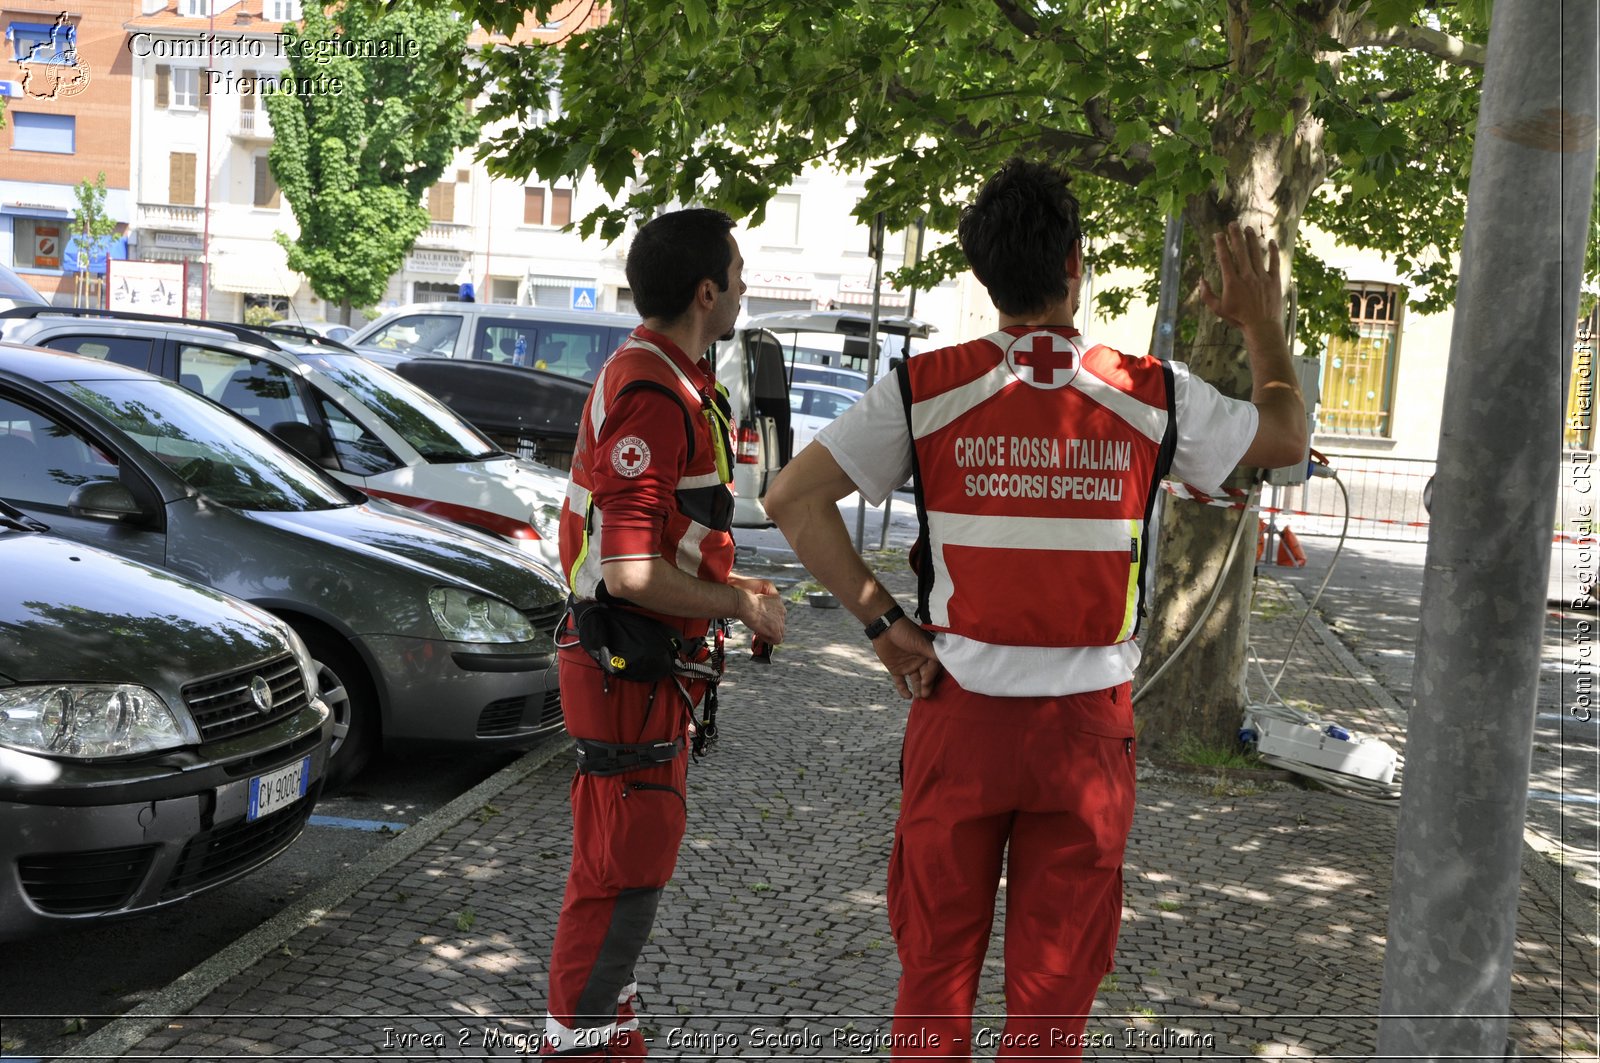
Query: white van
(756,366)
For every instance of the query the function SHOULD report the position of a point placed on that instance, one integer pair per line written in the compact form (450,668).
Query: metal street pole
(1457,869)
(1161,346)
(912,257)
(872,355)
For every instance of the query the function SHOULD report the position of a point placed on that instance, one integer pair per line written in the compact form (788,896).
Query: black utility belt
(630,645)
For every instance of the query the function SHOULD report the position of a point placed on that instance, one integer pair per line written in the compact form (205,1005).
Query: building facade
(68,85)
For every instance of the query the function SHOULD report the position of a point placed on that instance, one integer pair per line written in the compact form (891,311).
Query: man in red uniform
(645,530)
(1037,454)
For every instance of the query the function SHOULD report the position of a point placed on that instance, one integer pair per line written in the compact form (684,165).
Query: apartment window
(266,189)
(560,206)
(38,242)
(56,133)
(281,10)
(196,8)
(181,86)
(180,177)
(533,202)
(503,290)
(442,201)
(1358,374)
(781,227)
(185,86)
(43,42)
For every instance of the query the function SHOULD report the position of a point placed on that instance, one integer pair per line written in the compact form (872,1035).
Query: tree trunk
(1201,697)
(344,312)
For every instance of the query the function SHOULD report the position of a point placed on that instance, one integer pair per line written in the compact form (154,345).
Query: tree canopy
(360,137)
(1158,106)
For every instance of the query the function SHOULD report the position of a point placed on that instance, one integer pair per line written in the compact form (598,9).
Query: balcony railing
(445,234)
(253,125)
(169,216)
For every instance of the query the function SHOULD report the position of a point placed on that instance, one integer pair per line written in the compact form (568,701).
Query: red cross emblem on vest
(1043,359)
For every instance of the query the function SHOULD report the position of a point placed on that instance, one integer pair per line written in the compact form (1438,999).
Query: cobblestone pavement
(1253,927)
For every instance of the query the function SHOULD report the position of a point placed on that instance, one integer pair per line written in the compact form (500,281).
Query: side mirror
(103,500)
(303,440)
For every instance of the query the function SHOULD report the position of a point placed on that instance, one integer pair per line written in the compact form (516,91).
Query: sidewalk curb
(116,1038)
(1539,865)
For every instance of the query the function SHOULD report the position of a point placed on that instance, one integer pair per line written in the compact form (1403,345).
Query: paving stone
(1254,918)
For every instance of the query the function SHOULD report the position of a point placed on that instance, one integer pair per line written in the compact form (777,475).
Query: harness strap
(607,758)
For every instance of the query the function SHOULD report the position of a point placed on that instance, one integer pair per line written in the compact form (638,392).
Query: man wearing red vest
(645,531)
(1036,455)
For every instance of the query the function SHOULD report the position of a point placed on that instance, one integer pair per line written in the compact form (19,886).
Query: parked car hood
(388,534)
(69,611)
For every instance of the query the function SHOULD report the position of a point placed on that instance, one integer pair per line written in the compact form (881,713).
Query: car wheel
(343,686)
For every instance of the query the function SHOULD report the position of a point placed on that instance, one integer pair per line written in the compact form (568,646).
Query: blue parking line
(1566,799)
(356,824)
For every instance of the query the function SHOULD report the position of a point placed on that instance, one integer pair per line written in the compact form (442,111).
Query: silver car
(421,630)
(157,739)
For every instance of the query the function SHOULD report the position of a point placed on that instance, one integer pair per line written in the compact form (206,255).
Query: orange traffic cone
(1290,555)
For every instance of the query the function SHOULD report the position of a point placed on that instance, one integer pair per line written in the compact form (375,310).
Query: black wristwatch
(884,622)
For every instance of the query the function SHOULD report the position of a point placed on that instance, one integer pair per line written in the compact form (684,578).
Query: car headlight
(87,720)
(302,657)
(546,520)
(468,617)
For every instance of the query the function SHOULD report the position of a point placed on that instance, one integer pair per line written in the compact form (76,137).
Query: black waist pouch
(626,644)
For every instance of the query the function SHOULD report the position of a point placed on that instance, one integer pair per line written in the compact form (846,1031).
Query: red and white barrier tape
(1225,500)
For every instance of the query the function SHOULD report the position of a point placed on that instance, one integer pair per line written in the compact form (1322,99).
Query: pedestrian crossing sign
(582,298)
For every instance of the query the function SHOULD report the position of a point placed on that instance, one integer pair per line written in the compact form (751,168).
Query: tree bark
(1201,697)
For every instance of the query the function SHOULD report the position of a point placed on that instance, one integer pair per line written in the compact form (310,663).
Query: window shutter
(442,201)
(247,97)
(181,183)
(560,206)
(203,89)
(266,192)
(533,206)
(163,83)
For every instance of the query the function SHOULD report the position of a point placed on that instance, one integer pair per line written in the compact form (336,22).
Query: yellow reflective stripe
(1130,613)
(583,548)
(719,428)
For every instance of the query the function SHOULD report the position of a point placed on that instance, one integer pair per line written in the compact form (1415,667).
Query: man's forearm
(661,587)
(822,543)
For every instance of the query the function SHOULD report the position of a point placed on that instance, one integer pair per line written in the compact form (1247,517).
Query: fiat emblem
(261,694)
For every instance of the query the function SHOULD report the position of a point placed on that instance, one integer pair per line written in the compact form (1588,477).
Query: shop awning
(99,250)
(258,268)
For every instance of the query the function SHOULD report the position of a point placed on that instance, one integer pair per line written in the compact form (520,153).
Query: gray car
(421,630)
(157,739)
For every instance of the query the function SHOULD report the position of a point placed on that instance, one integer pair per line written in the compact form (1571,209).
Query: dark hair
(672,254)
(1017,235)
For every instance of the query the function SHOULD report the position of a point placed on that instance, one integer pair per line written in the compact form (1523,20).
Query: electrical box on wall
(1308,367)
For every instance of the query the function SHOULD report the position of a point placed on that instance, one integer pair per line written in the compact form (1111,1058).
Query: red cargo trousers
(625,834)
(1047,785)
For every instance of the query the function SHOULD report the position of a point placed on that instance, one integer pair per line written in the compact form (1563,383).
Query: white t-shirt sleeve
(1214,430)
(871,441)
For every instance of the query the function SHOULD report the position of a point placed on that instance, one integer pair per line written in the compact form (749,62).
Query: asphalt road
(56,989)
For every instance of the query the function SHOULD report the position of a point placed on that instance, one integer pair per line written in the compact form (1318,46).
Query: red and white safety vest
(697,535)
(1037,459)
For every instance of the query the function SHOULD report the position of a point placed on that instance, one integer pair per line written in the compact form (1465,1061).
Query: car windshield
(209,448)
(428,425)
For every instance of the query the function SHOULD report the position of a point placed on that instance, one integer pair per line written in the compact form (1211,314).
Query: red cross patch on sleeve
(630,457)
